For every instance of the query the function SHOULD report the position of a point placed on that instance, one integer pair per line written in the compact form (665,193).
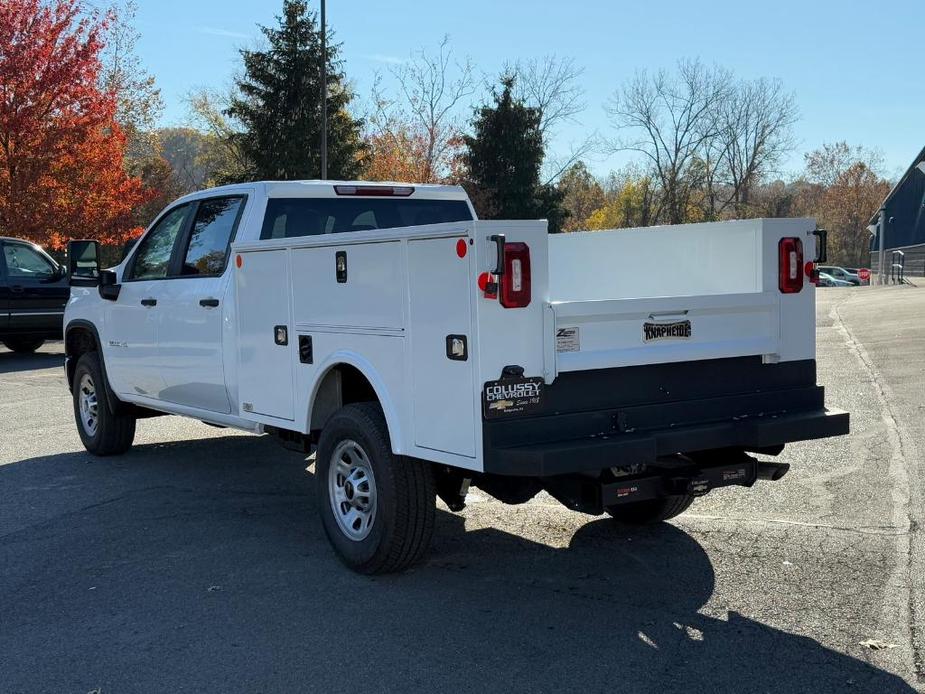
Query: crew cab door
(36,290)
(130,332)
(191,308)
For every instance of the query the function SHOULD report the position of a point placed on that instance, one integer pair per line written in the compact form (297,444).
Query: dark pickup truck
(33,292)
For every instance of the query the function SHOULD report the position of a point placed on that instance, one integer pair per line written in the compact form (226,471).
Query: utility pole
(881,270)
(324,96)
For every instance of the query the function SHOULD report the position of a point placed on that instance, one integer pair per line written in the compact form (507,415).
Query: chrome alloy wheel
(352,490)
(88,405)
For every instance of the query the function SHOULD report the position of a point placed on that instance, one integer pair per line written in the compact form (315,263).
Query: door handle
(149,302)
(17,289)
(208,303)
(668,315)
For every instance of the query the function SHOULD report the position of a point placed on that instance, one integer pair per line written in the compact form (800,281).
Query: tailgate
(583,335)
(673,294)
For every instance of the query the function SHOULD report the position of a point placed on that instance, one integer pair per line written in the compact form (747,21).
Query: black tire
(113,433)
(23,345)
(405,494)
(651,511)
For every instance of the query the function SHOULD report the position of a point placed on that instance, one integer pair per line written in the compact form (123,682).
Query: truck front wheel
(377,508)
(651,511)
(102,431)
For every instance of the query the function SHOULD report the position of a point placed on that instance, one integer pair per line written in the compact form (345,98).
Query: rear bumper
(752,407)
(597,453)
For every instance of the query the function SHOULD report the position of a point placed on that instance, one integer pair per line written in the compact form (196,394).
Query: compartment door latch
(457,348)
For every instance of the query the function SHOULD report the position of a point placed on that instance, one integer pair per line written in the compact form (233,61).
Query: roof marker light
(375,191)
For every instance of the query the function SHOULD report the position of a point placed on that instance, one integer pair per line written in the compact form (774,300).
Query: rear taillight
(515,281)
(790,265)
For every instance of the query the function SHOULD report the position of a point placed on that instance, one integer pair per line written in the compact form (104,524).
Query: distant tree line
(840,186)
(702,144)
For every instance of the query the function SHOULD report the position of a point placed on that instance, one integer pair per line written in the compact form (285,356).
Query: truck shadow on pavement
(201,566)
(11,362)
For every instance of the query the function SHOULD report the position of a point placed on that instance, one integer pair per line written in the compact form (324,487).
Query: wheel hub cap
(88,405)
(352,490)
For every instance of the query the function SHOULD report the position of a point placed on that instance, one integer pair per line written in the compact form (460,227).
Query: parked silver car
(840,273)
(826,280)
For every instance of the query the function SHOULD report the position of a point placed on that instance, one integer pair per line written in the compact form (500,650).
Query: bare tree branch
(557,165)
(138,99)
(550,84)
(671,117)
(432,97)
(754,134)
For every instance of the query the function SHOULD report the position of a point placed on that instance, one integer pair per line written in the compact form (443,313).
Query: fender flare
(365,367)
(111,399)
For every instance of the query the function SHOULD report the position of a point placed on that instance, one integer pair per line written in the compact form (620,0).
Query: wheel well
(342,385)
(77,342)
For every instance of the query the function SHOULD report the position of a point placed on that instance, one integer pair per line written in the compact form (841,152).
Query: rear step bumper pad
(604,451)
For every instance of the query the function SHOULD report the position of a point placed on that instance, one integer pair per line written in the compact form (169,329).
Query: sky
(857,69)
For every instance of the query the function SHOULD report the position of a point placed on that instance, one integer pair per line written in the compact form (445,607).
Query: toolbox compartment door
(443,387)
(265,373)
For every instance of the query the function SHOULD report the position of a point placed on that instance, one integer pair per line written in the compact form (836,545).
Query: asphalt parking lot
(196,563)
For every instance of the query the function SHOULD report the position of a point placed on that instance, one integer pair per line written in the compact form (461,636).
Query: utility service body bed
(632,345)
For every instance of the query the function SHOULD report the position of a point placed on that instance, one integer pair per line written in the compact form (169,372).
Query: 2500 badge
(512,396)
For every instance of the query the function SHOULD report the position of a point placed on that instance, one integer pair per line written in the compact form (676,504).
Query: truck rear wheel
(102,431)
(23,345)
(377,508)
(651,511)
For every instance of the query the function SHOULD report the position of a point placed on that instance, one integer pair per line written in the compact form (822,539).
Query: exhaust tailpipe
(772,471)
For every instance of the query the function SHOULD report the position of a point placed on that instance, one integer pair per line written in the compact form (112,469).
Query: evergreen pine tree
(504,157)
(278,103)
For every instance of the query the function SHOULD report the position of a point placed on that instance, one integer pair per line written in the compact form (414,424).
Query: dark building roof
(904,209)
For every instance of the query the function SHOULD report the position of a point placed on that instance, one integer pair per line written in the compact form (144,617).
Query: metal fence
(912,261)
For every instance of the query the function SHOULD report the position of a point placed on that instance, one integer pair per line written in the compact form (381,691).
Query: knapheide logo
(680,330)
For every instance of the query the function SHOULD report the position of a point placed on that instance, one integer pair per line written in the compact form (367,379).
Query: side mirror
(109,287)
(83,263)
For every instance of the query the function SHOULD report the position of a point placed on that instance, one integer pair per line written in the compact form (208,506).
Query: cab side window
(211,235)
(152,259)
(24,263)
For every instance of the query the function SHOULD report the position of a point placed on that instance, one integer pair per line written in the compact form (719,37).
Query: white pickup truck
(419,350)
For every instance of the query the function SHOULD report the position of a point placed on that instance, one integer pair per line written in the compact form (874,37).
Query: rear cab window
(294,217)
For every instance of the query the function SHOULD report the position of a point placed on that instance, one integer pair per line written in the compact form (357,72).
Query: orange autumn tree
(61,150)
(395,154)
